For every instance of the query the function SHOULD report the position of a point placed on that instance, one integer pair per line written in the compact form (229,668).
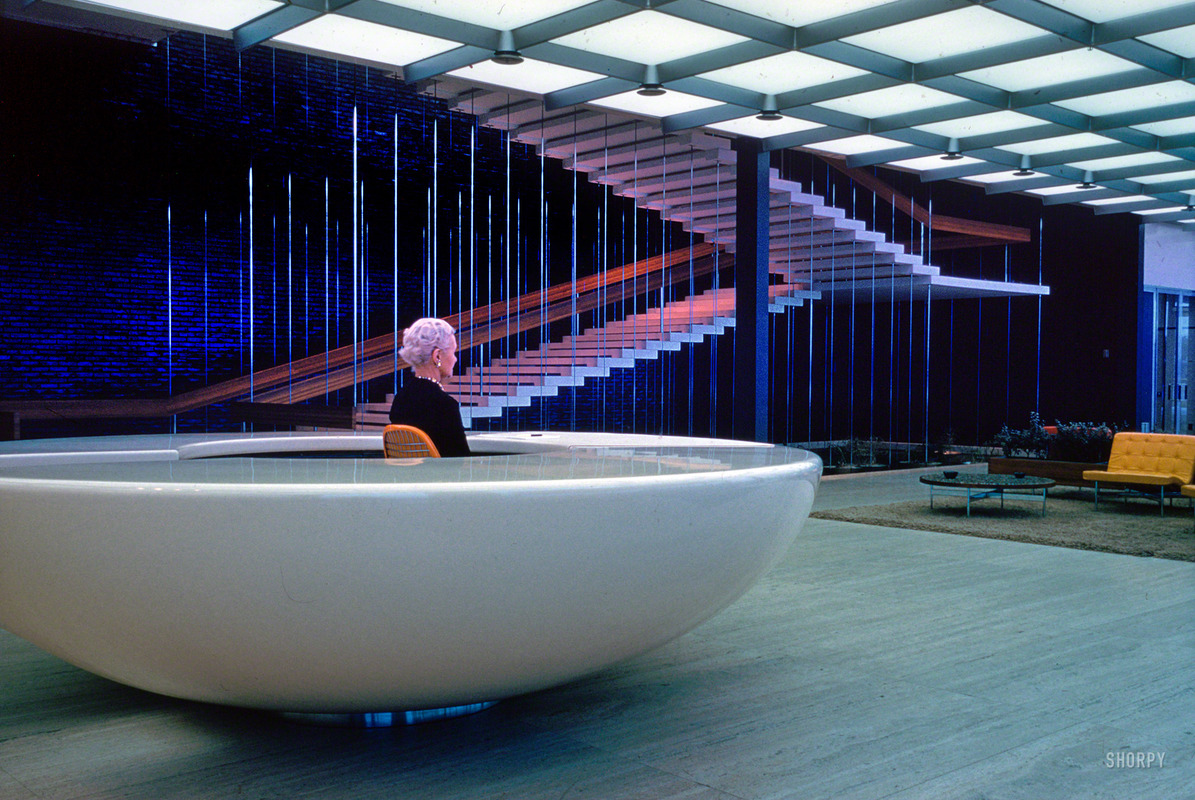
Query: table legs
(980,493)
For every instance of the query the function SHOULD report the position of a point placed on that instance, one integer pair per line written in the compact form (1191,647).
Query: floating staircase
(487,390)
(815,250)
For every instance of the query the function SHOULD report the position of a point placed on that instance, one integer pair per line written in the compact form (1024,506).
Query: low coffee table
(977,486)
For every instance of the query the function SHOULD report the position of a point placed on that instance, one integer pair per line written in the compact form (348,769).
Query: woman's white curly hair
(424,336)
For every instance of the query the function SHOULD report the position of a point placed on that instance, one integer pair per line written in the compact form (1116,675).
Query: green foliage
(1074,441)
(1031,442)
(1082,441)
(856,452)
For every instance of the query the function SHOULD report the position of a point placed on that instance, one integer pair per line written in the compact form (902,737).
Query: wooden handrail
(1008,234)
(481,333)
(333,370)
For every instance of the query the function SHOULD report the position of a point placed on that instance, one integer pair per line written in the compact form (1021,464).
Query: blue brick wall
(127,266)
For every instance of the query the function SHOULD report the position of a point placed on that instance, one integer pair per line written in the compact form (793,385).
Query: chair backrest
(1160,453)
(407,441)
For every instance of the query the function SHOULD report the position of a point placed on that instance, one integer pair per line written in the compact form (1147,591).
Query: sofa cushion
(1163,454)
(1143,478)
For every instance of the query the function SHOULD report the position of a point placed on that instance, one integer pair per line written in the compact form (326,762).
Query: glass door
(1174,364)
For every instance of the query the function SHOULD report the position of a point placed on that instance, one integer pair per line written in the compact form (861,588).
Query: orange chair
(407,441)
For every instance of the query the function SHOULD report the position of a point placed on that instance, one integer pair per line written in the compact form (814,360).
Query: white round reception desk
(306,573)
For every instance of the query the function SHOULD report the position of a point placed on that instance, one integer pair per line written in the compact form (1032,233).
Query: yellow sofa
(1159,461)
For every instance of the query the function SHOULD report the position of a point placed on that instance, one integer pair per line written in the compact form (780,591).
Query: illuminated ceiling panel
(953,33)
(1032,73)
(504,16)
(981,125)
(932,162)
(1145,212)
(783,73)
(1171,127)
(1046,191)
(1168,177)
(855,144)
(1072,142)
(532,76)
(1011,81)
(1111,201)
(1118,102)
(762,129)
(649,37)
(345,36)
(993,177)
(220,14)
(1120,162)
(893,100)
(801,13)
(1108,10)
(1180,41)
(662,106)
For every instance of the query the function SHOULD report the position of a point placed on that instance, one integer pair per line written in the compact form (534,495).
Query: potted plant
(1060,452)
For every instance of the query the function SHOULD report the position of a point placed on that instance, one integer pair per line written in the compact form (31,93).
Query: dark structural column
(751,377)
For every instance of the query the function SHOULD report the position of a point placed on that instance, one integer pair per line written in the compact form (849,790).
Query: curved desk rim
(532,461)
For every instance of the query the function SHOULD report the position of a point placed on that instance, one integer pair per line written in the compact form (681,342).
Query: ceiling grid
(1032,96)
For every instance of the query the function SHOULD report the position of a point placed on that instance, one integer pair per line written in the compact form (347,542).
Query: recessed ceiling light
(506,54)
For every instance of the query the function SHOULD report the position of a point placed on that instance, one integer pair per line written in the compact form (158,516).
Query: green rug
(1131,527)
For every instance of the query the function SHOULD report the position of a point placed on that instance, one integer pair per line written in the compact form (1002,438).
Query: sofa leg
(1097,494)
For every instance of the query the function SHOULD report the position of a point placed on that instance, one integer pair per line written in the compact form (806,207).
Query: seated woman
(429,346)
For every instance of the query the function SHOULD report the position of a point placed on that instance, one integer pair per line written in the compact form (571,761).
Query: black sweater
(425,405)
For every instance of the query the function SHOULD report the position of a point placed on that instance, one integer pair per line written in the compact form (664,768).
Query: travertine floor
(871,663)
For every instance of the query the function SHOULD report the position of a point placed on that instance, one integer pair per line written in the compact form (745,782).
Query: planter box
(1064,473)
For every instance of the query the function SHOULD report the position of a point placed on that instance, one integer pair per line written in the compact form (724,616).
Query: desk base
(386,719)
